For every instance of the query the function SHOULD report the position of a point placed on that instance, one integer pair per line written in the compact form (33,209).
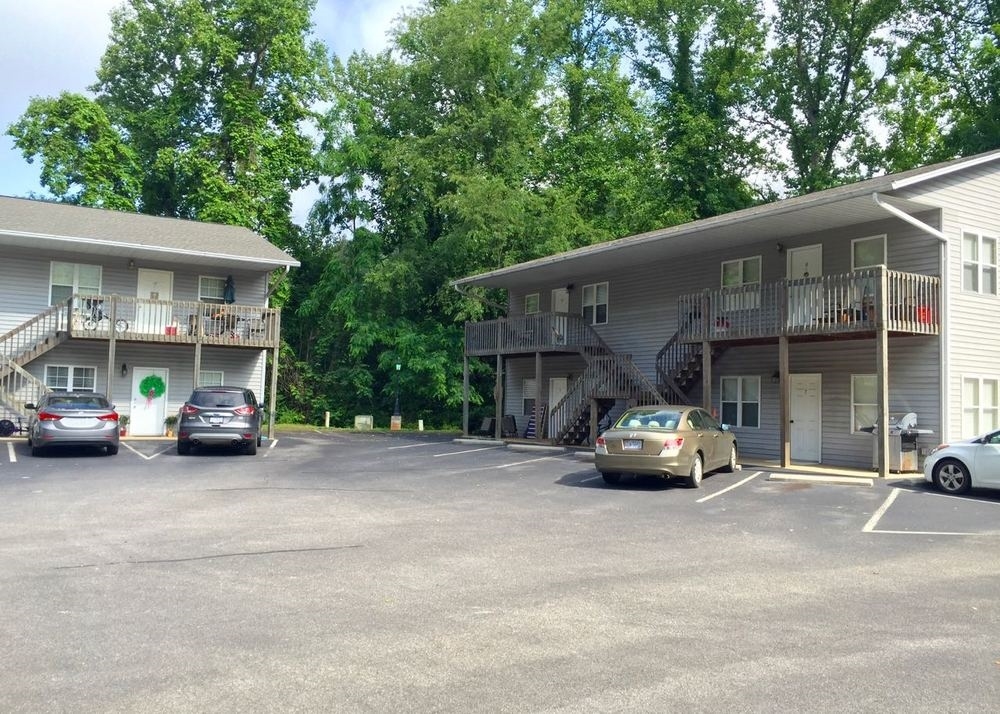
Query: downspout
(943,263)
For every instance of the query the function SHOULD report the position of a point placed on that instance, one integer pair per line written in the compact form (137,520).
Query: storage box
(924,314)
(171,329)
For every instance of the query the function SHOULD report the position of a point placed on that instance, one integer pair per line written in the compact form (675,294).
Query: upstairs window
(741,281)
(211,289)
(68,278)
(868,252)
(595,303)
(531,304)
(979,263)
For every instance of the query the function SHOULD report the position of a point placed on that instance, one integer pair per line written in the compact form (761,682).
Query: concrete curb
(842,480)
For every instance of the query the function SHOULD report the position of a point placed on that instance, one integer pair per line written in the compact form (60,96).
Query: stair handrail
(30,333)
(18,387)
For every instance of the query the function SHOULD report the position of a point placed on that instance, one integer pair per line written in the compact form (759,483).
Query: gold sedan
(665,440)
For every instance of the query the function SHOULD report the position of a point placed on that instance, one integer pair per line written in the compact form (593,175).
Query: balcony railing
(825,305)
(540,332)
(178,321)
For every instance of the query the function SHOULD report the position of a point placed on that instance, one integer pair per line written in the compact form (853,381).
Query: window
(867,252)
(979,263)
(211,289)
(741,278)
(529,391)
(68,278)
(210,378)
(741,401)
(531,304)
(980,405)
(61,378)
(595,303)
(864,401)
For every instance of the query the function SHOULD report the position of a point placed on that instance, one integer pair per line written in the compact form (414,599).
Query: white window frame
(211,378)
(859,419)
(76,378)
(883,260)
(980,408)
(529,393)
(591,298)
(741,399)
(532,303)
(976,262)
(209,296)
(744,298)
(75,287)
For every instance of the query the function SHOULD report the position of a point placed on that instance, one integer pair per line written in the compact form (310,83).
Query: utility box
(364,422)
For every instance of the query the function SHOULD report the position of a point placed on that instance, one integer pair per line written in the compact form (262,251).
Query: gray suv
(219,416)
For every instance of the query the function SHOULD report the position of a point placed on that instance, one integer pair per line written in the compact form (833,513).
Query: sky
(51,46)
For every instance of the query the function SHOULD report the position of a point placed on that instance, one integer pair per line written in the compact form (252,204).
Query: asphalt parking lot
(408,572)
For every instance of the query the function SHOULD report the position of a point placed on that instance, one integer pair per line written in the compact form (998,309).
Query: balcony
(540,332)
(849,305)
(133,319)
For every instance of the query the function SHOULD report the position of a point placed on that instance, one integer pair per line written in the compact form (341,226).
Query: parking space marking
(274,442)
(467,451)
(408,446)
(10,452)
(881,511)
(751,477)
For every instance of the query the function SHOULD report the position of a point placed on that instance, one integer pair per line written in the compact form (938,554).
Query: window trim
(979,408)
(538,303)
(863,239)
(980,236)
(596,288)
(743,298)
(203,372)
(211,299)
(75,287)
(525,382)
(71,384)
(855,428)
(740,401)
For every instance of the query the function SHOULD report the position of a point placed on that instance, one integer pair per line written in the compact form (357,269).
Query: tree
(818,91)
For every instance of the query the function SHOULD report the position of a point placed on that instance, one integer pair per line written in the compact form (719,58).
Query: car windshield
(78,401)
(217,399)
(649,419)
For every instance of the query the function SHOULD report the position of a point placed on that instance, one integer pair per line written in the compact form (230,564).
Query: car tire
(731,464)
(183,447)
(251,448)
(611,478)
(111,449)
(952,476)
(696,473)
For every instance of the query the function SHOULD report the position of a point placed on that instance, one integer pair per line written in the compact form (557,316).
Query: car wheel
(611,478)
(952,476)
(731,465)
(694,477)
(111,449)
(251,448)
(183,447)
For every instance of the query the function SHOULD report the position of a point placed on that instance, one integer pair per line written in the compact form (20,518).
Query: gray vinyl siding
(971,321)
(239,367)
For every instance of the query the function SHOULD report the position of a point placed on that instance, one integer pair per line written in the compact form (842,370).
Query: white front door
(804,303)
(805,409)
(560,304)
(152,318)
(557,390)
(148,401)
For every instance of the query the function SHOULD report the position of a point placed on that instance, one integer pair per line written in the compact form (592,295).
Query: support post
(273,396)
(783,403)
(498,399)
(706,375)
(882,369)
(465,395)
(539,431)
(111,346)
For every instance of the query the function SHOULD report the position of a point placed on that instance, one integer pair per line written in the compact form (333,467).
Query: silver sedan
(72,419)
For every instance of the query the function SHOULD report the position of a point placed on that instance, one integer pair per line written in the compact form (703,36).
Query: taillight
(48,416)
(188,409)
(672,445)
(109,417)
(243,411)
(600,446)
(601,441)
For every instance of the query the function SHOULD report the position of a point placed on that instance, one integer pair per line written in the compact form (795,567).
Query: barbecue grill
(903,435)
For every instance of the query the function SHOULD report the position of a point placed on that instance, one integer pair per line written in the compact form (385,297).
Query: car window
(217,399)
(694,419)
(993,438)
(710,421)
(78,402)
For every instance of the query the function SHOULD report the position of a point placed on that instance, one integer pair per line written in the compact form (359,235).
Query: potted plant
(122,424)
(170,422)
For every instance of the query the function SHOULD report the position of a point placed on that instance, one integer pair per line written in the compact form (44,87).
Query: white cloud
(51,46)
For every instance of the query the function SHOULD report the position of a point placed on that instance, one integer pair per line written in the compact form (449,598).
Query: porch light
(124,369)
(776,377)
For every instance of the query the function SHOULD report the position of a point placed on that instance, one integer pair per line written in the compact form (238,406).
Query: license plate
(631,443)
(215,420)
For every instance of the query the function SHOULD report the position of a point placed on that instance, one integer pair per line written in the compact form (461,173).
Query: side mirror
(30,406)
(725,427)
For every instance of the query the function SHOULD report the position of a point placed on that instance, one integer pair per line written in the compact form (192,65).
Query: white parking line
(274,442)
(873,521)
(880,511)
(467,451)
(408,446)
(10,452)
(751,477)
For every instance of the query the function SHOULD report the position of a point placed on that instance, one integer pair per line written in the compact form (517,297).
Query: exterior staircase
(679,368)
(20,346)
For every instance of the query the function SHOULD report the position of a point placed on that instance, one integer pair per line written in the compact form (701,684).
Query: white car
(961,465)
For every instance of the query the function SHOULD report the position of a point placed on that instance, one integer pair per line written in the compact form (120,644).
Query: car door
(702,437)
(720,443)
(986,467)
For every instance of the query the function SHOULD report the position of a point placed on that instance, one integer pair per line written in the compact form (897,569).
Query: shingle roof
(116,230)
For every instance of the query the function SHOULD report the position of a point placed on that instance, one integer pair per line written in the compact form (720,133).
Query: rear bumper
(643,465)
(216,436)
